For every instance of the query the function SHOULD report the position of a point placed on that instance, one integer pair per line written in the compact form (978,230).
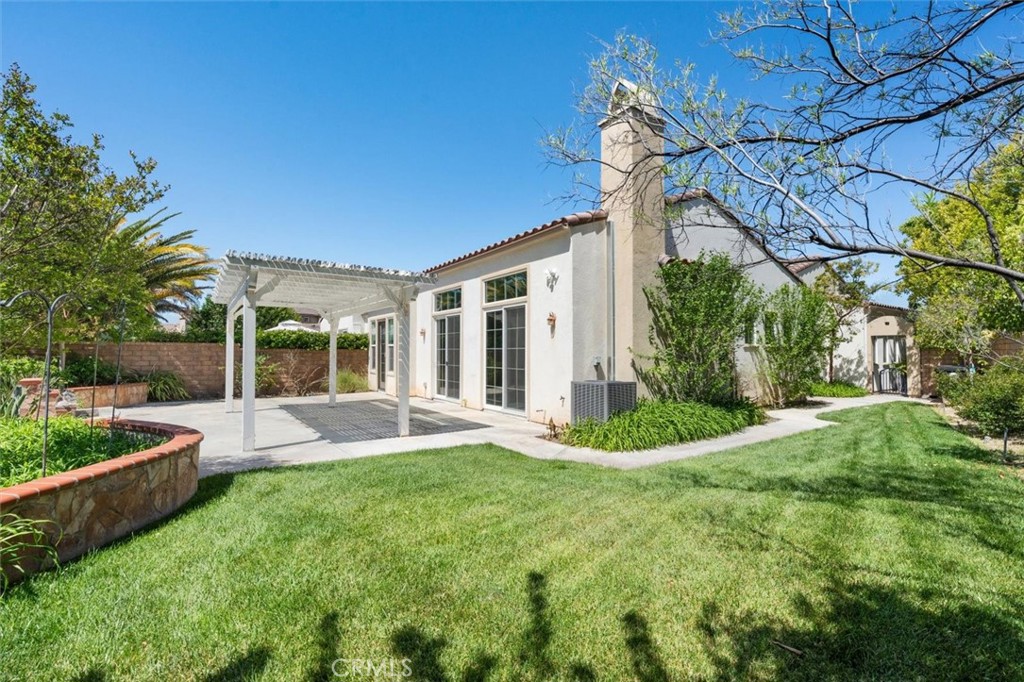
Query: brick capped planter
(102,502)
(135,393)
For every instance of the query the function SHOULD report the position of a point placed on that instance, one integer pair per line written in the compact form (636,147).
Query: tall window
(391,344)
(505,287)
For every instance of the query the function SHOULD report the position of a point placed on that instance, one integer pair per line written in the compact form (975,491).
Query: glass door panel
(448,357)
(494,371)
(505,358)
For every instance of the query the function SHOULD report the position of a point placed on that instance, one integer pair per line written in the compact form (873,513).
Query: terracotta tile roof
(798,265)
(897,308)
(581,218)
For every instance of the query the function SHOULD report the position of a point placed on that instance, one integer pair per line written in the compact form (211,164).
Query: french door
(890,364)
(505,358)
(448,358)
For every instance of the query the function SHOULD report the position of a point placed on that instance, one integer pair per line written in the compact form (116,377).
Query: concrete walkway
(283,438)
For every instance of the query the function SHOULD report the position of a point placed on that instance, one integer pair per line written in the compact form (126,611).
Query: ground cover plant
(654,423)
(837,389)
(72,444)
(885,547)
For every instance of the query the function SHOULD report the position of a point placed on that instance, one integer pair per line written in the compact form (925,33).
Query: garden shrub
(699,311)
(837,389)
(993,400)
(654,423)
(165,386)
(79,371)
(72,444)
(796,323)
(13,370)
(350,382)
(266,376)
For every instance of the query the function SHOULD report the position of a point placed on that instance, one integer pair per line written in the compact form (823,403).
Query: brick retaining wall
(201,365)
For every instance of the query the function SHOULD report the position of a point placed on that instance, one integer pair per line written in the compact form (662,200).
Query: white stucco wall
(700,226)
(851,362)
(549,352)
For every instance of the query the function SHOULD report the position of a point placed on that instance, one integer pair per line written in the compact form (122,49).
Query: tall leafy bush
(699,311)
(993,400)
(796,324)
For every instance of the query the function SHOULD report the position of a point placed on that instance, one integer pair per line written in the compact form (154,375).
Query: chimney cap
(632,101)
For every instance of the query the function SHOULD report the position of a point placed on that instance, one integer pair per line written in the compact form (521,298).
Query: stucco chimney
(633,194)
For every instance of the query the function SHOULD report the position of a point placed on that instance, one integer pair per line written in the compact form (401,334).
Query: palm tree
(173,267)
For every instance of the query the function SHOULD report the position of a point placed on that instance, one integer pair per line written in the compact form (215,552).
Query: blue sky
(382,134)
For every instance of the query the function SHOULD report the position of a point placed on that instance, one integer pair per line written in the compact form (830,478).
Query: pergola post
(249,373)
(229,362)
(332,371)
(402,343)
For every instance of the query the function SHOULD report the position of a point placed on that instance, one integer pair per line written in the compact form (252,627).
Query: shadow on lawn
(534,659)
(866,631)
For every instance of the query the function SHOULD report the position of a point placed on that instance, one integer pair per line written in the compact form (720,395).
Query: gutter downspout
(610,279)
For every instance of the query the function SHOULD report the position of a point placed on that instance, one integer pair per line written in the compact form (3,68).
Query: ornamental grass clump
(654,423)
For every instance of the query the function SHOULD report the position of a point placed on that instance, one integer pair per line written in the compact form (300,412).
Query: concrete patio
(305,430)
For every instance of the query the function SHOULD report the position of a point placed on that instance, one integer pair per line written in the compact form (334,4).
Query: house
(510,325)
(878,352)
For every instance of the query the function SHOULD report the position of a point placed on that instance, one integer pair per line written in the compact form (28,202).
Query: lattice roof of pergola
(330,288)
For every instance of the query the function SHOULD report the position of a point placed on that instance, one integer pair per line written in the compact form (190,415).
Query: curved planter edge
(97,504)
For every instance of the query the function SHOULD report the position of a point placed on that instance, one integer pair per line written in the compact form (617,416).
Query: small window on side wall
(505,287)
(448,300)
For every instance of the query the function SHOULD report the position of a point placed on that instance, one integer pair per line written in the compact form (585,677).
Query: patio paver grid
(356,421)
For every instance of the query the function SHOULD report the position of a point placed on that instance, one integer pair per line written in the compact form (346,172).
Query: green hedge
(837,389)
(267,338)
(291,338)
(655,423)
(72,444)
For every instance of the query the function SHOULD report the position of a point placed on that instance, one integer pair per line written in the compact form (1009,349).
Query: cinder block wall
(201,365)
(931,358)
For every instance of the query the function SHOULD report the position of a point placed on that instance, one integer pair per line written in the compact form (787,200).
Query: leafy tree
(954,321)
(844,286)
(699,311)
(797,323)
(206,323)
(804,163)
(57,204)
(953,227)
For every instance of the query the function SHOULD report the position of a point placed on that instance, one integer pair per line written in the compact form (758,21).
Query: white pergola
(335,290)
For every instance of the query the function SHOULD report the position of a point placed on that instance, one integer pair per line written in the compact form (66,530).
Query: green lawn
(887,547)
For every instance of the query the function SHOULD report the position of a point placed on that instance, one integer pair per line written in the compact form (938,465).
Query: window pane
(506,287)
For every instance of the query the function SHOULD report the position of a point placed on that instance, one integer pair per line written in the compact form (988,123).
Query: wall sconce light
(552,318)
(423,333)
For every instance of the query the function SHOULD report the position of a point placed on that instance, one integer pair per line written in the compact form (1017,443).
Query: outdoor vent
(601,399)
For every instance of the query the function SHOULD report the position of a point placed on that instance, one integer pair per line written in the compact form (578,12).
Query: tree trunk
(831,365)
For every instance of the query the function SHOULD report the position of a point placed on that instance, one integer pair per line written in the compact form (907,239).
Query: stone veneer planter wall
(97,504)
(134,393)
